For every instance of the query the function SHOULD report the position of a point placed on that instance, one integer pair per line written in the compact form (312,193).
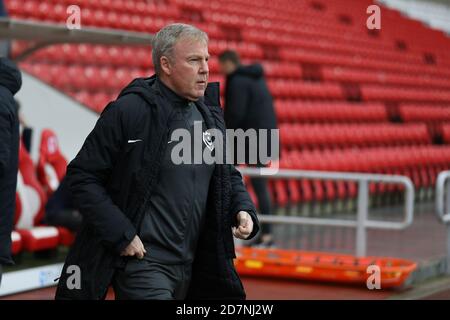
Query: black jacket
(10,83)
(248,102)
(112,181)
(249,105)
(174,240)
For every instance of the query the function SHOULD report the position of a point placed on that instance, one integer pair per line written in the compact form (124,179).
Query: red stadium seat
(51,167)
(32,197)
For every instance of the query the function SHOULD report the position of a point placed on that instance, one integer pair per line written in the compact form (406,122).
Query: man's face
(226,67)
(187,70)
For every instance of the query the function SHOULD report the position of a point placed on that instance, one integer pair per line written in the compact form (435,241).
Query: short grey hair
(166,38)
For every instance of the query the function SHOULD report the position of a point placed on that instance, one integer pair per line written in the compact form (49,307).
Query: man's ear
(165,65)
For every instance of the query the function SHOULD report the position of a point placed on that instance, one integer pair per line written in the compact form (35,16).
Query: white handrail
(362,223)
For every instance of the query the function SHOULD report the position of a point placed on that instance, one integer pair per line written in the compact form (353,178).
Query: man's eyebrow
(198,56)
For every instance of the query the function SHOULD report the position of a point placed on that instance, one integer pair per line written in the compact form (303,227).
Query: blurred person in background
(4,44)
(248,105)
(60,211)
(10,83)
(26,132)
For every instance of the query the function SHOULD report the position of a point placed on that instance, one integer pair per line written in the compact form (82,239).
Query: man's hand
(245,225)
(135,248)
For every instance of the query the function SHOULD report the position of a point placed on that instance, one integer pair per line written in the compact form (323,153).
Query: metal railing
(442,207)
(362,222)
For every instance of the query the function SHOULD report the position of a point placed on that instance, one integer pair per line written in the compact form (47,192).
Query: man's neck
(169,85)
(171,94)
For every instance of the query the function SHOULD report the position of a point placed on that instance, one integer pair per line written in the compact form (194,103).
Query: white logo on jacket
(208,140)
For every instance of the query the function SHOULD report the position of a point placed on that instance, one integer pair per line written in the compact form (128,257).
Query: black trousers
(150,280)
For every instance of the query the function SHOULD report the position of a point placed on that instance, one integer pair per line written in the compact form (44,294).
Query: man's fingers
(125,254)
(242,230)
(237,233)
(240,235)
(243,218)
(140,246)
(139,254)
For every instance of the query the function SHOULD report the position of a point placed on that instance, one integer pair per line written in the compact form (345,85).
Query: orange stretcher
(319,266)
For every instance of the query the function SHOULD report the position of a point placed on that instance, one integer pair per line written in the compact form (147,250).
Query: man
(151,228)
(10,83)
(248,105)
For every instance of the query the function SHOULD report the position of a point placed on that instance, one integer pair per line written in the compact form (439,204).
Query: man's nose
(204,68)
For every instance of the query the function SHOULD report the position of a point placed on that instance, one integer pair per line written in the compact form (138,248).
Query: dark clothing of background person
(113,178)
(248,102)
(26,134)
(10,83)
(249,105)
(2,9)
(5,45)
(60,209)
(27,137)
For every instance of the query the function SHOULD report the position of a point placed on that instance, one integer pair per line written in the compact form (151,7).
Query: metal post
(442,208)
(446,210)
(363,208)
(446,195)
(448,248)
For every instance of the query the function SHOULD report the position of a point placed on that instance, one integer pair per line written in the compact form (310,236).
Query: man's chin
(198,95)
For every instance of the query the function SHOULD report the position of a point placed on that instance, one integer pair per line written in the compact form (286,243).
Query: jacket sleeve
(87,176)
(5,138)
(241,201)
(236,104)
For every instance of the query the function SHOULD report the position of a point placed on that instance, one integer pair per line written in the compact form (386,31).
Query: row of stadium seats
(306,136)
(331,112)
(338,45)
(118,14)
(368,159)
(304,89)
(318,111)
(411,113)
(86,54)
(398,94)
(381,77)
(88,78)
(359,62)
(112,57)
